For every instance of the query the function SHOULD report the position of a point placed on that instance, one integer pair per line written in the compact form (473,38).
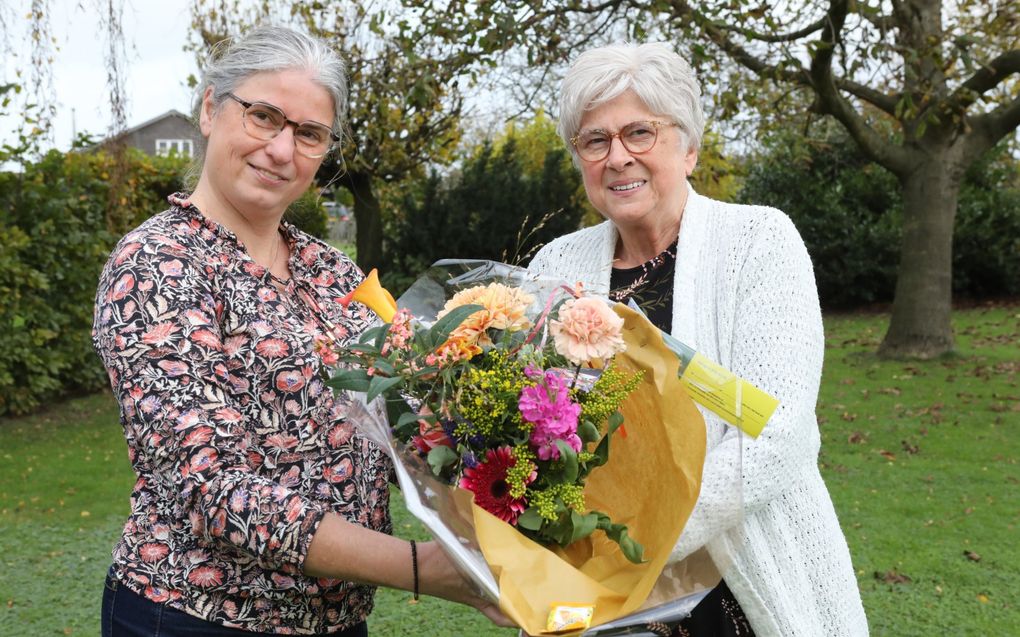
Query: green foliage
(846,208)
(57,227)
(501,205)
(849,212)
(716,175)
(309,215)
(986,243)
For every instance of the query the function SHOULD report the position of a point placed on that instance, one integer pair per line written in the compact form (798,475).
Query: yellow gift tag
(730,397)
(568,617)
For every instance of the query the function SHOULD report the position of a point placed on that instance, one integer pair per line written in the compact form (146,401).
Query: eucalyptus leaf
(584,525)
(569,460)
(441,457)
(408,418)
(615,420)
(587,431)
(530,519)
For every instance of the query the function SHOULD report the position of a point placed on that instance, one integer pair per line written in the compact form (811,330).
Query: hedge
(55,236)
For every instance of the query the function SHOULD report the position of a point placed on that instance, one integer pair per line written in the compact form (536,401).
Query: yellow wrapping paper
(650,483)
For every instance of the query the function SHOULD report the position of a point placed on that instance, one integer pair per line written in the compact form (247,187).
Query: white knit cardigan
(744,295)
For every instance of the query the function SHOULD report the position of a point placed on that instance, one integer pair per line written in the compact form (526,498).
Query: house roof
(149,122)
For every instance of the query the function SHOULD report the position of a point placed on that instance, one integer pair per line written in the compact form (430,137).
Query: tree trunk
(368,219)
(920,326)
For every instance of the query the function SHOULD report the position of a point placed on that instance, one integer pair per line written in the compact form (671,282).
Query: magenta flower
(548,406)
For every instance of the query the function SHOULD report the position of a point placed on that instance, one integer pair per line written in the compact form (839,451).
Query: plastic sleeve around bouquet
(651,483)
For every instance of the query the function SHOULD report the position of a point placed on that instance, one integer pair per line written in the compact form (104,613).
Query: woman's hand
(437,576)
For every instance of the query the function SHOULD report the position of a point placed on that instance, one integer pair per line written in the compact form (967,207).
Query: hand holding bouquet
(511,397)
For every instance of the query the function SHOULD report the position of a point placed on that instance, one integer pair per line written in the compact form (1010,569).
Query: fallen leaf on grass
(892,391)
(972,556)
(857,438)
(982,598)
(892,577)
(909,448)
(848,417)
(888,455)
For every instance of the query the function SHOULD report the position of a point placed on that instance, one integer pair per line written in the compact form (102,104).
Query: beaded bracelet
(414,567)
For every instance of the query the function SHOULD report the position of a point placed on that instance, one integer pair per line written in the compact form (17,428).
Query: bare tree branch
(988,128)
(984,79)
(779,37)
(831,102)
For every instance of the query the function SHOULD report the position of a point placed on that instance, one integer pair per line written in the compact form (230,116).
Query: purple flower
(548,406)
(469,459)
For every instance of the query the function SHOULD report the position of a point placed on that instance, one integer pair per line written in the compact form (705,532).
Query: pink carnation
(548,405)
(587,329)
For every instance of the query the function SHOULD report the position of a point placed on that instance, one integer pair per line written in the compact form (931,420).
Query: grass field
(921,460)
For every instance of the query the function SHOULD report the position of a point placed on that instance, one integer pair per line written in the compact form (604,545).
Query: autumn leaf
(892,577)
(972,556)
(909,448)
(857,438)
(888,455)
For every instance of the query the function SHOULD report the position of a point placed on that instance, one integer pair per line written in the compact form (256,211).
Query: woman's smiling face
(254,176)
(643,191)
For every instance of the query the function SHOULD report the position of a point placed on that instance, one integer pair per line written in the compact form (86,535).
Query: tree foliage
(510,196)
(848,209)
(54,239)
(943,74)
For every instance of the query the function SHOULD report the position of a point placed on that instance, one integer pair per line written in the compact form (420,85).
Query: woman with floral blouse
(257,506)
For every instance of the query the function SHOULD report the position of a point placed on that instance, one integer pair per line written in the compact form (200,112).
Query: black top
(650,285)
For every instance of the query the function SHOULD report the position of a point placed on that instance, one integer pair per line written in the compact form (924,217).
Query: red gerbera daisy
(487,481)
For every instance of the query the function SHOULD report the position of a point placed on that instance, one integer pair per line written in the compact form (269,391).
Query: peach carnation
(587,328)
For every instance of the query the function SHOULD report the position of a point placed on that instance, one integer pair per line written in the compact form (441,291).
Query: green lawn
(921,460)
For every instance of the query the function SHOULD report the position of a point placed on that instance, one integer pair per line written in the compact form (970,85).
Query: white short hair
(662,79)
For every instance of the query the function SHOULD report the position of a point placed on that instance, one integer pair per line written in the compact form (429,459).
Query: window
(181,147)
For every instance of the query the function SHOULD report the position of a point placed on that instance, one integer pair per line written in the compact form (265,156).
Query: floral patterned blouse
(238,445)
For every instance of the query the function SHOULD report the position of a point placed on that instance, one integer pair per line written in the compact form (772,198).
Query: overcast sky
(157,71)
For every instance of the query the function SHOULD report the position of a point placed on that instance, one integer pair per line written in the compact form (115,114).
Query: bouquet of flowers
(513,387)
(508,396)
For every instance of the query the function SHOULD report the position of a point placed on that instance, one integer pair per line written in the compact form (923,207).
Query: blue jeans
(128,614)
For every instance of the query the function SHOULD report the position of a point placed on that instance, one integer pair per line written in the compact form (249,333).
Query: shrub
(55,236)
(493,208)
(849,212)
(308,214)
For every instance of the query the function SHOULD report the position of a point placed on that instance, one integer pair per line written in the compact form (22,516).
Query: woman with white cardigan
(736,283)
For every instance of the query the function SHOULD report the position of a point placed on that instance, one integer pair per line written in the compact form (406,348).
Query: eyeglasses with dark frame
(637,137)
(265,121)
